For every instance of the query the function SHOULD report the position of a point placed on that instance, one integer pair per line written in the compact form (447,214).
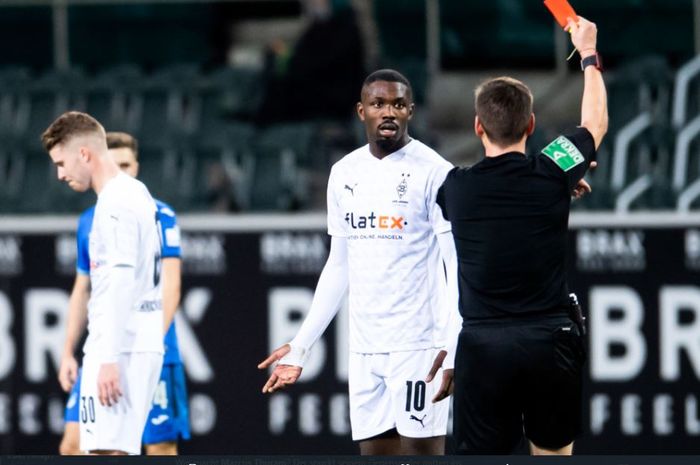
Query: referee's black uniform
(519,360)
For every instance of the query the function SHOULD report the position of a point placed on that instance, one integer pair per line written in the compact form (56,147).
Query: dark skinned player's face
(385,109)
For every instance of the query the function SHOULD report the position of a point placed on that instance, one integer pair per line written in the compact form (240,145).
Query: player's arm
(118,299)
(172,282)
(121,232)
(594,105)
(331,287)
(445,358)
(594,110)
(171,272)
(75,325)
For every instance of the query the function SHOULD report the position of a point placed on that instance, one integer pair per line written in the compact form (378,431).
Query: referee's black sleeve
(440,199)
(570,155)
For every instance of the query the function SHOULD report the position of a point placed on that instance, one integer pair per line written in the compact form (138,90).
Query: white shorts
(389,391)
(119,427)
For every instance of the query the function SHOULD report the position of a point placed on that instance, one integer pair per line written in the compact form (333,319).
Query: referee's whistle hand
(581,189)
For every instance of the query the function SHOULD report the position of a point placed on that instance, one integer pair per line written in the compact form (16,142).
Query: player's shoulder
(121,189)
(429,160)
(352,158)
(422,153)
(164,208)
(350,161)
(126,194)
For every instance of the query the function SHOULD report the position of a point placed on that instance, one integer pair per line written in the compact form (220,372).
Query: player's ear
(411,108)
(478,128)
(531,125)
(360,111)
(85,154)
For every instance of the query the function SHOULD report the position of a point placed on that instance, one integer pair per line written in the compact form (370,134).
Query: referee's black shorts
(511,377)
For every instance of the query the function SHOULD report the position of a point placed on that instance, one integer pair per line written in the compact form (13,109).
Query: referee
(520,357)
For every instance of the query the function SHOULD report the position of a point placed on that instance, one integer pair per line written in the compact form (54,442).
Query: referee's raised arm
(594,105)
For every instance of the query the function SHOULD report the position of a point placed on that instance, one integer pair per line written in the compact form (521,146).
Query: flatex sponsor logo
(10,255)
(66,254)
(692,249)
(292,253)
(203,254)
(610,250)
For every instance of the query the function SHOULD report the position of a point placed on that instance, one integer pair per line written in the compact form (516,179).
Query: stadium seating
(200,149)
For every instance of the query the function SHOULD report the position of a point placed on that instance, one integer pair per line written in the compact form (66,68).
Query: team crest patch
(564,153)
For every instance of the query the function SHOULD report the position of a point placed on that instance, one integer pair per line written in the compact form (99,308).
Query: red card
(561,9)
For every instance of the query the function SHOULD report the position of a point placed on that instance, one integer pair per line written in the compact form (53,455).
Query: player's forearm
(453,325)
(77,313)
(330,290)
(172,289)
(118,302)
(594,105)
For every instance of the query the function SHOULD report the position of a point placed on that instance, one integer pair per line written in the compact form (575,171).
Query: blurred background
(241,107)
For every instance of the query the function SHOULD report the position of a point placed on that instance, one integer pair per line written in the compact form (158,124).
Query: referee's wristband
(592,60)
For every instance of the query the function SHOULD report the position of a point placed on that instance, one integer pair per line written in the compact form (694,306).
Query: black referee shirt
(509,218)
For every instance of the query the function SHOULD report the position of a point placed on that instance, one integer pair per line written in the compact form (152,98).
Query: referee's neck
(494,150)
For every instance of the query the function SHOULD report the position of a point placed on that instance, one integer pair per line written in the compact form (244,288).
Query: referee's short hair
(123,140)
(504,106)
(69,125)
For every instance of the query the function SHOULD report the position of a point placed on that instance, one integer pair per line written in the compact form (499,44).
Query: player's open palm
(108,387)
(67,373)
(446,385)
(282,375)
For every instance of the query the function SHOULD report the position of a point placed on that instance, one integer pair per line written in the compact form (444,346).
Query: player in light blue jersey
(168,420)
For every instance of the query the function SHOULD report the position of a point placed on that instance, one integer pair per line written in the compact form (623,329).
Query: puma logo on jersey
(351,189)
(419,420)
(160,419)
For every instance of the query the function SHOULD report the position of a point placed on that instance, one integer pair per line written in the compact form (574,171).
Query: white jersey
(387,211)
(125,233)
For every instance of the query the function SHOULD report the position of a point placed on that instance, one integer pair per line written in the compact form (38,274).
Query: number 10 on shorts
(415,395)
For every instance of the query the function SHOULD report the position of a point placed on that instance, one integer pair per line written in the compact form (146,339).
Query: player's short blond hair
(68,126)
(123,140)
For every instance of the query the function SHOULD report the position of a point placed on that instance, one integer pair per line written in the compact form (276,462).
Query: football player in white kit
(124,348)
(393,250)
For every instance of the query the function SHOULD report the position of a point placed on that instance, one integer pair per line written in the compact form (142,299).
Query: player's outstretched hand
(446,387)
(67,373)
(282,375)
(108,388)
